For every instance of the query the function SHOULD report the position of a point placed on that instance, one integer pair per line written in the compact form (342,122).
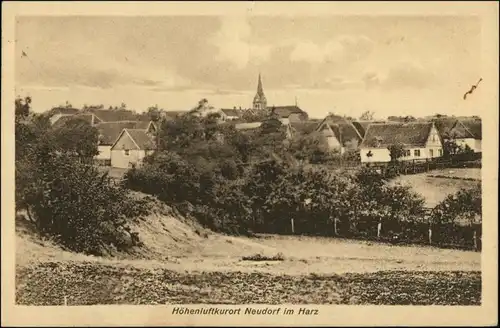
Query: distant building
(340,134)
(59,112)
(289,113)
(467,132)
(231,114)
(259,101)
(286,114)
(110,131)
(130,148)
(420,139)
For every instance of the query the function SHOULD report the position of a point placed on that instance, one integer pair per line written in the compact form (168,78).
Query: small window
(416,153)
(431,152)
(440,152)
(407,153)
(126,152)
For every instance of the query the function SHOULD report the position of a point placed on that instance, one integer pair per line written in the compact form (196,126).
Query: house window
(126,152)
(440,152)
(407,153)
(416,153)
(431,152)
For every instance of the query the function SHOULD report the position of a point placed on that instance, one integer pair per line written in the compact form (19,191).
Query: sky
(390,65)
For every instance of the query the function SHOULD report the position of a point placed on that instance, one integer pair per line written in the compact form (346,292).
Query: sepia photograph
(246,162)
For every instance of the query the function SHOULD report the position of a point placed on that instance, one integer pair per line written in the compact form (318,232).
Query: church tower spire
(259,101)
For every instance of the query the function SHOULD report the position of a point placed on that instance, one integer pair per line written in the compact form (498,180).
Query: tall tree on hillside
(22,107)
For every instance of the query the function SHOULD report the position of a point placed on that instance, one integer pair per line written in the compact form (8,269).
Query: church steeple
(259,101)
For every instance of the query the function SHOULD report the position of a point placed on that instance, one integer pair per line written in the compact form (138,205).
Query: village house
(130,148)
(340,134)
(109,132)
(288,114)
(467,132)
(421,140)
(231,114)
(60,112)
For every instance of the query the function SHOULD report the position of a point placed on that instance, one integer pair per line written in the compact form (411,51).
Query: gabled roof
(382,135)
(231,111)
(286,111)
(444,124)
(106,115)
(468,128)
(65,110)
(361,126)
(343,129)
(141,139)
(109,131)
(89,118)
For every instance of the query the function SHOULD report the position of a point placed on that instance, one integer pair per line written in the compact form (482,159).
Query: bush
(260,257)
(79,207)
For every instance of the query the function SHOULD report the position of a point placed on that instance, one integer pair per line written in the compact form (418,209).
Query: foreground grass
(90,283)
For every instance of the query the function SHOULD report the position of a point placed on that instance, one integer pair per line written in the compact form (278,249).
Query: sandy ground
(182,250)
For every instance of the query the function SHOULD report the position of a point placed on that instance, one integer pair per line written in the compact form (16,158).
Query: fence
(424,232)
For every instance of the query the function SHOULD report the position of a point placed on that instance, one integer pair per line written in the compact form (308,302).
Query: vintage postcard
(249,163)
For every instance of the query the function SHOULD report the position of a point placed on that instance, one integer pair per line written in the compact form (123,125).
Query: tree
(22,107)
(76,137)
(367,116)
(396,151)
(154,113)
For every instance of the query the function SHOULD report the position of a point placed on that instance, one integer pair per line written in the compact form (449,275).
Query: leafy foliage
(65,196)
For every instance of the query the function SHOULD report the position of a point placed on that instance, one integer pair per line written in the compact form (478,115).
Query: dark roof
(109,131)
(141,138)
(231,111)
(467,128)
(361,126)
(343,129)
(286,111)
(305,127)
(107,115)
(382,135)
(89,118)
(65,110)
(444,124)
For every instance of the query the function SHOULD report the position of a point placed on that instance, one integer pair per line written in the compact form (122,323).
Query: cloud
(404,74)
(232,42)
(341,48)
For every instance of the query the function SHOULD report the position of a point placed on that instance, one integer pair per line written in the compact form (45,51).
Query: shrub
(260,257)
(79,207)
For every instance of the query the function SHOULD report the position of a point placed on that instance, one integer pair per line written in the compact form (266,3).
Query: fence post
(379,228)
(474,237)
(293,227)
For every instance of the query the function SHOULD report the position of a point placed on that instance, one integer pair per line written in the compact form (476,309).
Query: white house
(468,132)
(231,114)
(109,132)
(420,139)
(130,148)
